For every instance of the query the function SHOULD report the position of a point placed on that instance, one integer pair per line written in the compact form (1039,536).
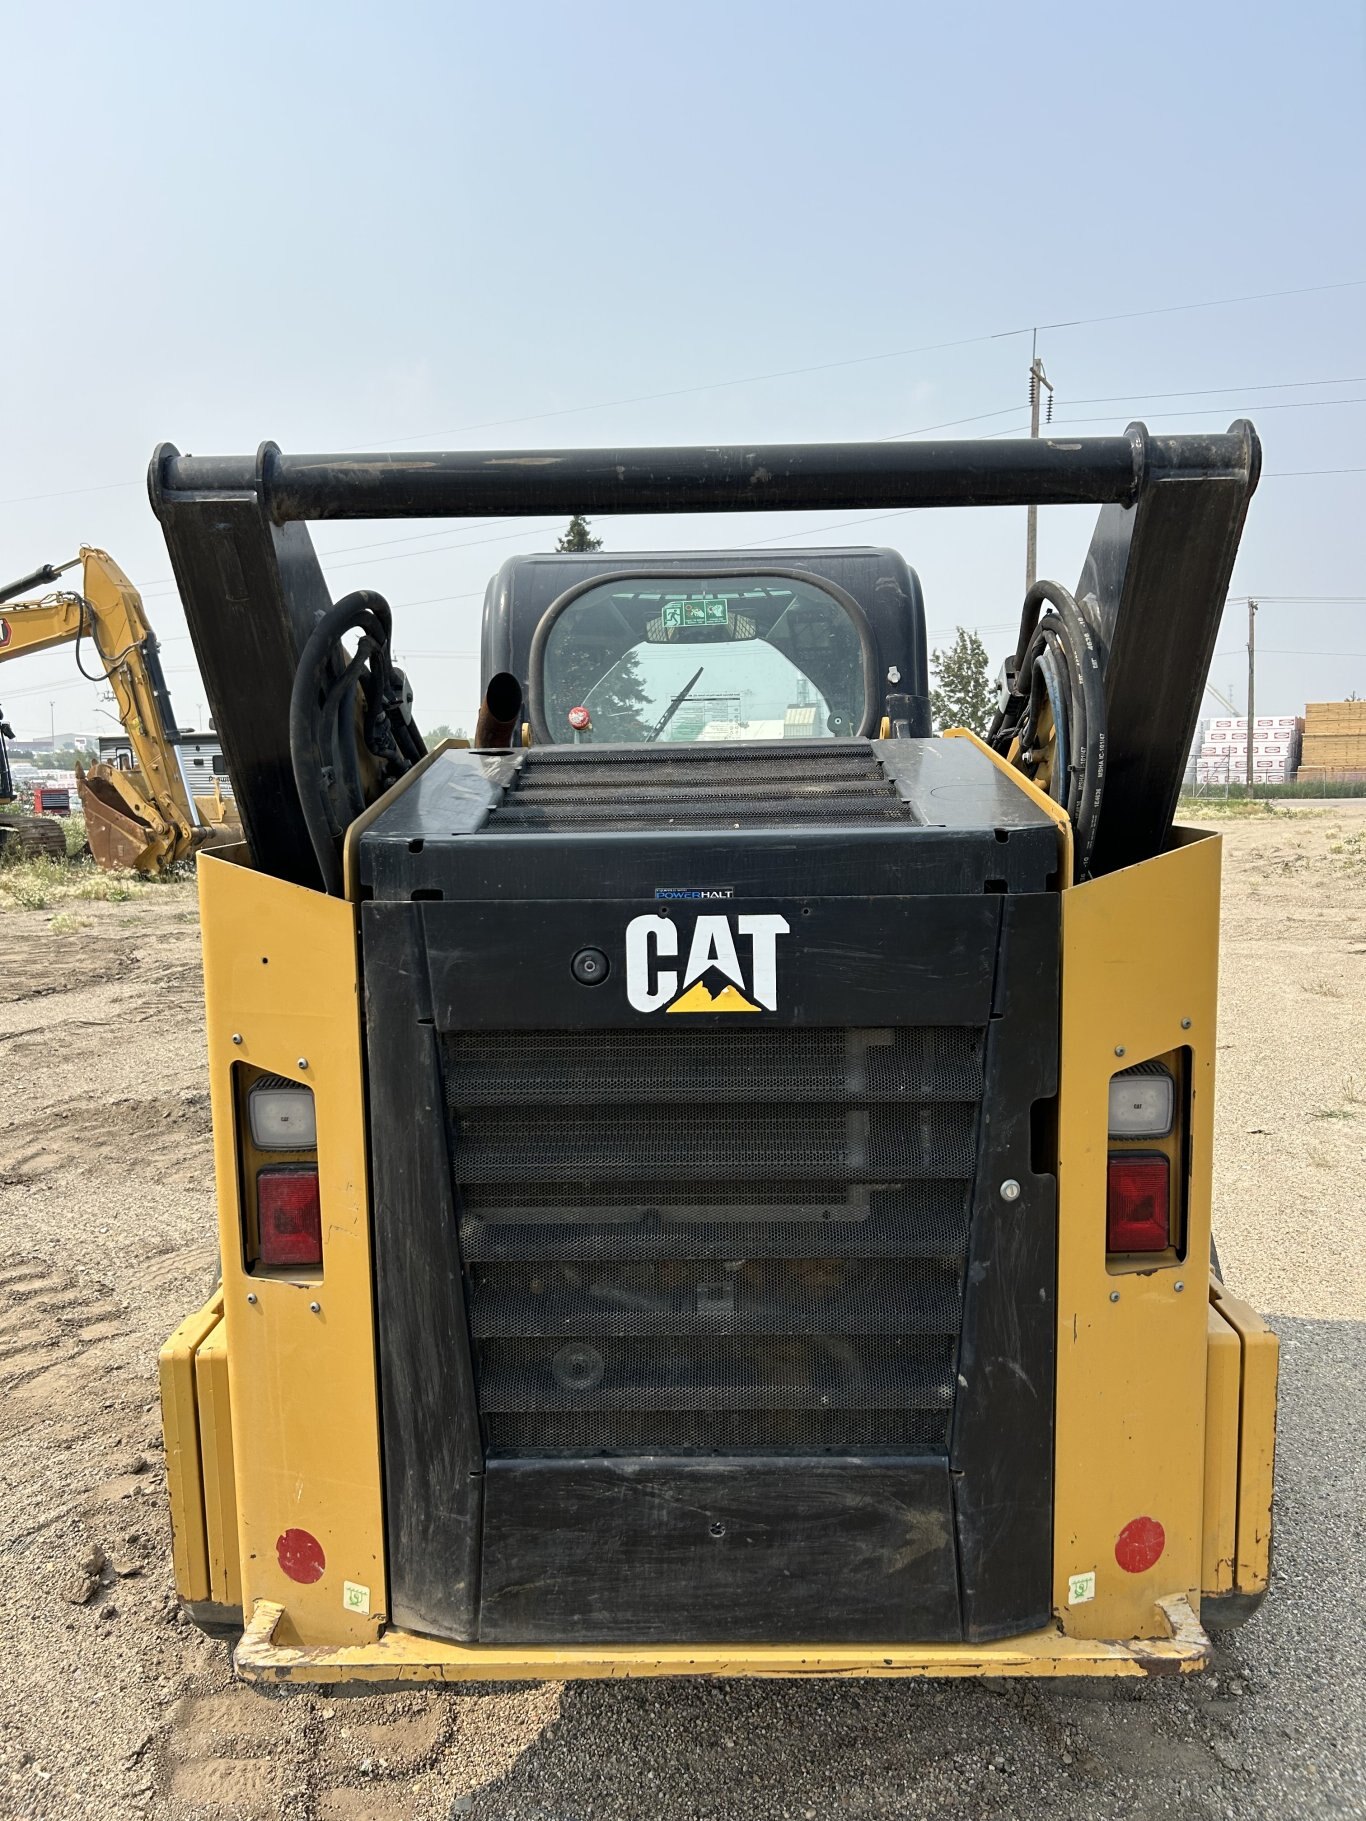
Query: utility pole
(1038,381)
(52,724)
(1251,691)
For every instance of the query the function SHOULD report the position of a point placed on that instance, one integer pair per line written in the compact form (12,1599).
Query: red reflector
(1138,1204)
(300,1555)
(289,1217)
(1139,1544)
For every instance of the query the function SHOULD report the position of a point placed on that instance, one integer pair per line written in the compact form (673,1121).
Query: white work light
(282,1116)
(1142,1102)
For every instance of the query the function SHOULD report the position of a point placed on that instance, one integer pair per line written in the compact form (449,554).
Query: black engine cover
(701,1315)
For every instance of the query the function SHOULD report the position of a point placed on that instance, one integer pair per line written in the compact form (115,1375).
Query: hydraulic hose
(1058,662)
(339,738)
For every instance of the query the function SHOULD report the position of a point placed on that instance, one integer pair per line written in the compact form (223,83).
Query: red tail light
(1138,1204)
(289,1216)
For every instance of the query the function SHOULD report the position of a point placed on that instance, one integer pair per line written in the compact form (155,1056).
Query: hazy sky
(343,227)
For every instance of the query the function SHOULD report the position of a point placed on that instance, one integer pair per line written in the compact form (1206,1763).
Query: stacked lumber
(1334,746)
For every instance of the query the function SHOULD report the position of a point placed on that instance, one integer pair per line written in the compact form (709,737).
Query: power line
(62,493)
(862,360)
(1286,474)
(1287,651)
(754,379)
(950,424)
(464,543)
(1284,404)
(1213,303)
(1281,385)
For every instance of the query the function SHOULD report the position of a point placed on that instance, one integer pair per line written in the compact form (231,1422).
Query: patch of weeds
(106,888)
(26,894)
(1236,809)
(67,923)
(30,884)
(73,827)
(1336,1113)
(38,882)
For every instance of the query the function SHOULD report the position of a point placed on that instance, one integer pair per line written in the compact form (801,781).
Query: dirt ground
(111,1708)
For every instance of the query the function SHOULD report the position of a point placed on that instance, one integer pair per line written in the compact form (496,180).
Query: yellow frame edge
(184,1462)
(402,1656)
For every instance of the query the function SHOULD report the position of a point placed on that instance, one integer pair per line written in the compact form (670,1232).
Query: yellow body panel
(281,992)
(1178,1647)
(1223,1392)
(220,1481)
(1138,1433)
(180,1431)
(1139,978)
(1257,1439)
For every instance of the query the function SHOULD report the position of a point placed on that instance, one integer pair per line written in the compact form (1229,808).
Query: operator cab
(677,648)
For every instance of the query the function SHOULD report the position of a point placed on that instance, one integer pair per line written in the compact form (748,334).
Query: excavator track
(32,837)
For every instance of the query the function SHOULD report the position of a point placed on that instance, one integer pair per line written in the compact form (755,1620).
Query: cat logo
(713,979)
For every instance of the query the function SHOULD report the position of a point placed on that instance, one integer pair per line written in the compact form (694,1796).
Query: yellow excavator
(142,818)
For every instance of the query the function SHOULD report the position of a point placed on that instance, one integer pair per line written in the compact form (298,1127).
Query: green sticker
(696,610)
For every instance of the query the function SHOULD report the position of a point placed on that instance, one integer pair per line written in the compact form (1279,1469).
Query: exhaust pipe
(499,712)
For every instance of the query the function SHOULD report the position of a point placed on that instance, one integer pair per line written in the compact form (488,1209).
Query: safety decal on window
(696,610)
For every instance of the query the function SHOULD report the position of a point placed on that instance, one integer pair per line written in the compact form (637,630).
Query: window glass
(721,657)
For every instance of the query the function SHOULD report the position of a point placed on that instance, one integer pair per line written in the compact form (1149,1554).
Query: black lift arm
(1172,510)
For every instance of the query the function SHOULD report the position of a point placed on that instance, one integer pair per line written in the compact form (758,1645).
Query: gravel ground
(109,1708)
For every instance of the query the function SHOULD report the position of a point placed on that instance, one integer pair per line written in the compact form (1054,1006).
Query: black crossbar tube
(796,477)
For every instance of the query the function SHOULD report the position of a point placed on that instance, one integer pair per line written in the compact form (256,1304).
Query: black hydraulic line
(322,732)
(410,742)
(87,627)
(1069,638)
(337,726)
(1051,670)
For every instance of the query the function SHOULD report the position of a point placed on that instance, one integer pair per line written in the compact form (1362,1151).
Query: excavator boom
(140,819)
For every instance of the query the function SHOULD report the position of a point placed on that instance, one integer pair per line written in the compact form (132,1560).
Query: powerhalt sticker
(355,1598)
(1081,1588)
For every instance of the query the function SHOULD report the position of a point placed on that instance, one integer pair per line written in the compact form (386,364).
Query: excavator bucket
(118,835)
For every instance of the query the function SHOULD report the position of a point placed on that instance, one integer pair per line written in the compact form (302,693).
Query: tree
(435,735)
(617,699)
(578,536)
(962,693)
